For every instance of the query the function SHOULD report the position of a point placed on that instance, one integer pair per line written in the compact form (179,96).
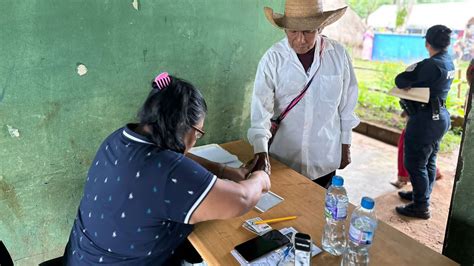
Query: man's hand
(261,162)
(235,174)
(346,156)
(404,114)
(241,173)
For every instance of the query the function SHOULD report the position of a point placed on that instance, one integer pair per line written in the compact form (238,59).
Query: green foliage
(373,87)
(401,16)
(363,8)
(436,1)
(375,105)
(450,141)
(387,73)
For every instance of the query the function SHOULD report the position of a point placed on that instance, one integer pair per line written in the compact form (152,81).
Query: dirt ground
(429,232)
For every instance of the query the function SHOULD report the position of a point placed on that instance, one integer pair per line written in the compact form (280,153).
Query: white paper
(216,153)
(413,94)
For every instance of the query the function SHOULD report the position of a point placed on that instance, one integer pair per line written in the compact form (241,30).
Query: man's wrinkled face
(301,41)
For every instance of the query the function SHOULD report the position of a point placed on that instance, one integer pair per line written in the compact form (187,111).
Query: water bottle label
(360,237)
(336,211)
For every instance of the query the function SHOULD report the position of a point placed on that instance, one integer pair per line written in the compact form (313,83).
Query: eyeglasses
(200,133)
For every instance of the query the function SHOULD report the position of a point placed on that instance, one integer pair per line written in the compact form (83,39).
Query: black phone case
(261,245)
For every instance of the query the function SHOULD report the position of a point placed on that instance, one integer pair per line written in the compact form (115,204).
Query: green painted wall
(62,117)
(459,240)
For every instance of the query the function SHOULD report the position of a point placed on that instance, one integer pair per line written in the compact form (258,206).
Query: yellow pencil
(276,220)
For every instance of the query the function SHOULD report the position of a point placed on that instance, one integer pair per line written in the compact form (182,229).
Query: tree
(363,8)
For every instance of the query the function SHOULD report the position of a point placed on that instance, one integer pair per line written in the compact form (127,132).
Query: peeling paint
(14,133)
(135,4)
(81,69)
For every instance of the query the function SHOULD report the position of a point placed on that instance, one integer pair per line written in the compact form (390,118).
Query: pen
(276,220)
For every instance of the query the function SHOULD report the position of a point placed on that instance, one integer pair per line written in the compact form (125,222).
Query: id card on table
(268,201)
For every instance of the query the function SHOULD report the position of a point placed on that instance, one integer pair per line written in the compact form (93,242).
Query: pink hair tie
(163,80)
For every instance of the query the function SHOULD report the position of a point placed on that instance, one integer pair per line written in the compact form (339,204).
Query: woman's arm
(231,199)
(418,75)
(221,170)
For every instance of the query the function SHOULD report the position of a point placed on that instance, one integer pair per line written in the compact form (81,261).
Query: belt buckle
(435,117)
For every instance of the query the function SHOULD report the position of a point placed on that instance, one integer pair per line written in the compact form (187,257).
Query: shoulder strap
(298,98)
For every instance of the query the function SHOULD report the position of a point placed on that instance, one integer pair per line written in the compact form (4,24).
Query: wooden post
(470,83)
(460,83)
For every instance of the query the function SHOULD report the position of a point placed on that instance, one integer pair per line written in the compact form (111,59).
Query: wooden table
(215,239)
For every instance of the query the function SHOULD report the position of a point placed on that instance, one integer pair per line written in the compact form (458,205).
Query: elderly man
(311,77)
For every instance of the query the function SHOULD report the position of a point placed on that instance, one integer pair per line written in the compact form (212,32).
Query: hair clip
(162,80)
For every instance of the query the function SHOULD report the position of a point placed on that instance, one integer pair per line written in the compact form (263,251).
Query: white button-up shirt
(309,138)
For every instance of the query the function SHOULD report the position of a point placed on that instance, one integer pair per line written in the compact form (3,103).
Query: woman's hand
(263,178)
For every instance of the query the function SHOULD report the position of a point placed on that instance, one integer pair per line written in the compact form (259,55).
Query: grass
(450,141)
(375,105)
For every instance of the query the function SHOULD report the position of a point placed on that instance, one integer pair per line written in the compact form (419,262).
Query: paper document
(216,153)
(280,256)
(414,94)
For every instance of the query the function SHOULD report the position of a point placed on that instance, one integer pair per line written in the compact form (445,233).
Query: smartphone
(302,244)
(261,245)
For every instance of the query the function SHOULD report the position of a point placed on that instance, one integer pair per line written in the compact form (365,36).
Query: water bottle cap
(367,203)
(337,181)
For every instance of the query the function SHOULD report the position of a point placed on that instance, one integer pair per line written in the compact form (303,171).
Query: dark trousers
(325,181)
(422,138)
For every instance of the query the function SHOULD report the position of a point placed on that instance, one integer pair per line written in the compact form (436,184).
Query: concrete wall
(459,240)
(62,117)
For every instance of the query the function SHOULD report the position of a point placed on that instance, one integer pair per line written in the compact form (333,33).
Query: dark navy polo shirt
(137,203)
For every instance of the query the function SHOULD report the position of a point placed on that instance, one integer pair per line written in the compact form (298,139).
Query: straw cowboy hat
(301,15)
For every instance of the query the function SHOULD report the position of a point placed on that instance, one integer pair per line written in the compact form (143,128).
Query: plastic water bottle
(361,234)
(334,236)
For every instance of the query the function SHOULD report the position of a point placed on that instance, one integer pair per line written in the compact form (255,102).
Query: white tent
(455,15)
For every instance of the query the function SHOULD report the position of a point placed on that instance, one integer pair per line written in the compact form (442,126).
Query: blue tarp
(399,47)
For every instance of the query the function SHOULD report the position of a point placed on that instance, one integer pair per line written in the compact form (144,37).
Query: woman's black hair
(171,112)
(439,37)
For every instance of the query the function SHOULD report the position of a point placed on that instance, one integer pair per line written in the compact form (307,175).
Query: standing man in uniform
(427,123)
(315,136)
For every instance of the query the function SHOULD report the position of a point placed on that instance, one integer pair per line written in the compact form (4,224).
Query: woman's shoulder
(178,161)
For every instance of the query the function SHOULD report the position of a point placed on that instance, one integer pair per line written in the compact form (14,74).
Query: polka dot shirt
(137,203)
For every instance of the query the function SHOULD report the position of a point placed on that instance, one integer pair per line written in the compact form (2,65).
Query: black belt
(426,106)
(434,105)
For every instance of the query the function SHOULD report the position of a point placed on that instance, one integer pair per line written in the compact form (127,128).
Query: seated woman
(143,195)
